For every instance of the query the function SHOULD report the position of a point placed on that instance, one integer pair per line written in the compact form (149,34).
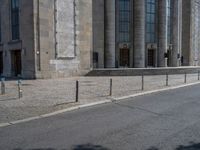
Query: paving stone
(45,96)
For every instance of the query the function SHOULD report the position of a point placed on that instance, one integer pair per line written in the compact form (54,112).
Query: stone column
(162,32)
(139,34)
(110,33)
(175,32)
(180,21)
(98,32)
(186,34)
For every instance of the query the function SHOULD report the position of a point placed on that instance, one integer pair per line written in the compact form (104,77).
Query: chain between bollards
(167,79)
(142,82)
(3,89)
(77,91)
(111,87)
(20,92)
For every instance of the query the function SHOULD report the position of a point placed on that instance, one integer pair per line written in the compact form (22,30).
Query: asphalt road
(163,121)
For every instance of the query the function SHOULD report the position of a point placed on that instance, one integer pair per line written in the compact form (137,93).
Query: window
(151,21)
(15,19)
(124,20)
(169,21)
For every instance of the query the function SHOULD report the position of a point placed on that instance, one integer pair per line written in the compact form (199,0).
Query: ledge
(145,71)
(14,41)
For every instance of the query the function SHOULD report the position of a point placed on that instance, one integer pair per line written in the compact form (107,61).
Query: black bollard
(111,86)
(77,91)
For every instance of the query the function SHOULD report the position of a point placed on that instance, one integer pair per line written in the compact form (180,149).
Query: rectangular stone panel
(65,28)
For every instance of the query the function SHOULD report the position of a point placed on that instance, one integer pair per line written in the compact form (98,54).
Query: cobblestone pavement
(45,96)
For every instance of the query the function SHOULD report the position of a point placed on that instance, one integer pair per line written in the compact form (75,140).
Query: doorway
(16,62)
(151,58)
(1,63)
(169,60)
(124,57)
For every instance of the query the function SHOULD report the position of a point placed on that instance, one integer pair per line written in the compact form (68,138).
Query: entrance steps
(145,71)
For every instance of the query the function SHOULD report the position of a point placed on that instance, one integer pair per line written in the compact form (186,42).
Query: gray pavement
(46,96)
(167,120)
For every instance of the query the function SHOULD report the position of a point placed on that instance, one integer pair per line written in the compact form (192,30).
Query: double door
(124,57)
(151,58)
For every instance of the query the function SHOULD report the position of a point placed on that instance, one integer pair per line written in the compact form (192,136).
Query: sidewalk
(46,96)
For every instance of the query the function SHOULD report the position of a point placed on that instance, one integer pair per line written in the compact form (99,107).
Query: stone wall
(66,61)
(44,36)
(65,28)
(73,38)
(84,35)
(195,33)
(25,43)
(191,33)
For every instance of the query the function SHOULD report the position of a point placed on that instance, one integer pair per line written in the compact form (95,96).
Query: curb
(52,114)
(156,91)
(94,104)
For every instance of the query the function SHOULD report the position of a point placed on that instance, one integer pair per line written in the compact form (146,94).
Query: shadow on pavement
(38,149)
(78,147)
(153,148)
(9,99)
(192,146)
(89,147)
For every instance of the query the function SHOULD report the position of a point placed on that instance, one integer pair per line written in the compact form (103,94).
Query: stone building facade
(146,33)
(60,38)
(45,38)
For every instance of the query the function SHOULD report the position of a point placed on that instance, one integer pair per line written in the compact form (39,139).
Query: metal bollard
(77,91)
(167,79)
(142,82)
(185,81)
(111,86)
(3,89)
(20,92)
(198,75)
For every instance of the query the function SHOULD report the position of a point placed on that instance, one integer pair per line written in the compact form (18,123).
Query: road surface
(168,120)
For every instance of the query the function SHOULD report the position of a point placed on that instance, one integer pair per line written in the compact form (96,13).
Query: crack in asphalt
(139,108)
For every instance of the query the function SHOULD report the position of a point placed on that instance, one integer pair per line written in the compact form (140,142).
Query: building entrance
(16,63)
(1,63)
(124,57)
(151,58)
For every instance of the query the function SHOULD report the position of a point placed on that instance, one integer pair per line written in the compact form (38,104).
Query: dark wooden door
(16,62)
(169,60)
(151,58)
(124,58)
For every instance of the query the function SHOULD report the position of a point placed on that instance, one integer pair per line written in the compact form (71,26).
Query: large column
(186,34)
(162,32)
(139,34)
(98,33)
(110,33)
(175,33)
(180,23)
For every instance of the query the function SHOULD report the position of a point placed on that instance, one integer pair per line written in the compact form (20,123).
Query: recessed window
(169,21)
(15,19)
(124,20)
(151,21)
